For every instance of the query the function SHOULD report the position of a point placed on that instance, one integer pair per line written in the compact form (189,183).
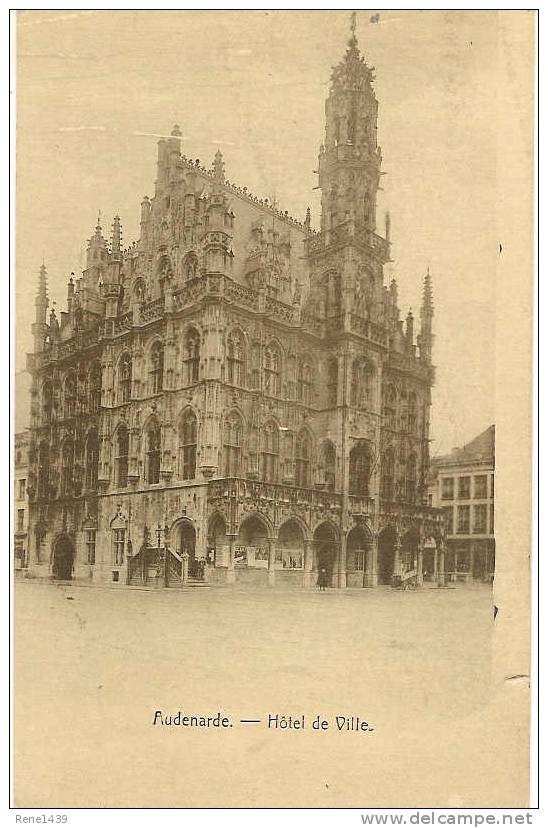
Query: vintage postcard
(272,481)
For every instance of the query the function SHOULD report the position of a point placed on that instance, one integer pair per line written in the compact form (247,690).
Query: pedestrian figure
(322,578)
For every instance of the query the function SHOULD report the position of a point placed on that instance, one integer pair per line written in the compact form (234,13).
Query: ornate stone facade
(235,390)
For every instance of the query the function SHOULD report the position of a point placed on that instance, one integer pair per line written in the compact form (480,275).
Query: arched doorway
(385,556)
(63,558)
(326,548)
(358,545)
(409,551)
(217,542)
(290,547)
(251,551)
(186,542)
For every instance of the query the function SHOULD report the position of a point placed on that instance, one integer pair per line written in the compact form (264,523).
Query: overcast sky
(95,90)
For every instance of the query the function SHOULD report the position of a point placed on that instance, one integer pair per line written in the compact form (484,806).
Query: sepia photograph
(273,296)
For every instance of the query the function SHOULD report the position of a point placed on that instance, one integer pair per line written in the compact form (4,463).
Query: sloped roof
(480,449)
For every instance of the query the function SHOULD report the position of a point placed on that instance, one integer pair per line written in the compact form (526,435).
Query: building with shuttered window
(234,397)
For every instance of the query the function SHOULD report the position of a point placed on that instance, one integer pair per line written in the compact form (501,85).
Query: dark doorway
(385,557)
(326,546)
(187,543)
(63,558)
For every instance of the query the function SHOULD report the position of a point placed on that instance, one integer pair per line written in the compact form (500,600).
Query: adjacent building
(463,485)
(20,500)
(234,396)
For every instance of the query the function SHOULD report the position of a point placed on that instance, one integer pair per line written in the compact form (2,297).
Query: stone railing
(152,310)
(346,232)
(375,333)
(260,492)
(361,505)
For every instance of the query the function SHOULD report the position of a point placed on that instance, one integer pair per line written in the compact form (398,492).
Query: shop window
(464,488)
(463,520)
(447,488)
(480,519)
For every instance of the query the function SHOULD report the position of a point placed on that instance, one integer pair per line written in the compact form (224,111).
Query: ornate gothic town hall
(234,399)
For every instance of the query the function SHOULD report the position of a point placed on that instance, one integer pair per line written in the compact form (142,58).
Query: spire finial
(219,167)
(353,40)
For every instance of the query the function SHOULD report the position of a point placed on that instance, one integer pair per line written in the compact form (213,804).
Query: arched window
(69,396)
(153,441)
(270,452)
(188,439)
(359,470)
(94,385)
(256,365)
(92,461)
(67,467)
(304,381)
(139,291)
(122,456)
(302,459)
(390,407)
(47,402)
(412,412)
(411,478)
(156,368)
(191,357)
(361,384)
(124,379)
(232,445)
(235,360)
(190,267)
(387,475)
(43,470)
(328,459)
(332,382)
(82,402)
(271,370)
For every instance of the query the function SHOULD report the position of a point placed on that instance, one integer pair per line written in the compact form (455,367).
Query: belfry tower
(350,160)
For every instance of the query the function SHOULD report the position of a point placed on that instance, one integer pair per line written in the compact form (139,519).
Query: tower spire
(116,237)
(41,303)
(426,338)
(350,159)
(353,40)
